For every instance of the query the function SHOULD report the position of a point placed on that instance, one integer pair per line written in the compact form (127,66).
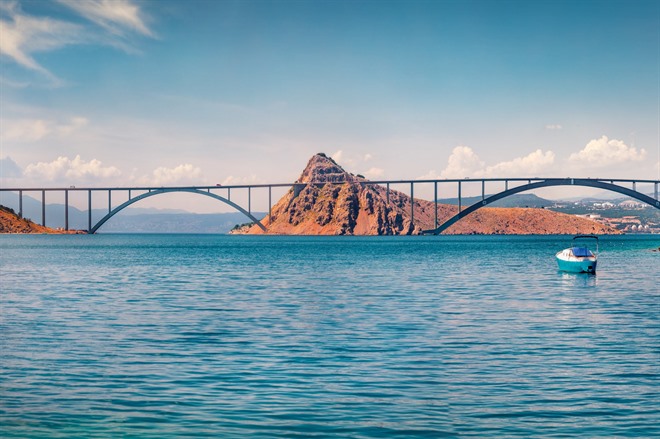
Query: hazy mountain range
(131,219)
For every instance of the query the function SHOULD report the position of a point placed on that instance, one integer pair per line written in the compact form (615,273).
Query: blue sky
(193,92)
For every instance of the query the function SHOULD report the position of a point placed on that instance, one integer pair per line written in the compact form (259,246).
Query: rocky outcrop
(12,223)
(327,200)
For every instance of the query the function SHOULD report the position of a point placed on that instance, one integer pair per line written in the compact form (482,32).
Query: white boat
(578,258)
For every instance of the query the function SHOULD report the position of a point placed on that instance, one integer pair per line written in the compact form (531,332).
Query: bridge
(223,194)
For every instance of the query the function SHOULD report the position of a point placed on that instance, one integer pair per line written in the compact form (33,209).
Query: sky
(129,92)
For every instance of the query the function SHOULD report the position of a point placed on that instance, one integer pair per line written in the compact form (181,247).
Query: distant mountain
(346,206)
(176,222)
(516,200)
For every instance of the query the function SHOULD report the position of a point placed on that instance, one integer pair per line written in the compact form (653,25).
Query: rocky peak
(322,168)
(360,209)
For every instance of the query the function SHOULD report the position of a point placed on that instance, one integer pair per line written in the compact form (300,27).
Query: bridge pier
(20,203)
(270,203)
(459,197)
(89,210)
(412,205)
(109,200)
(656,190)
(43,208)
(435,201)
(66,210)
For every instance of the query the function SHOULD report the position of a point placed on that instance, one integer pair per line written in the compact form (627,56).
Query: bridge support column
(435,201)
(412,205)
(656,190)
(483,190)
(20,203)
(459,197)
(250,200)
(89,210)
(634,185)
(270,204)
(387,194)
(229,194)
(109,201)
(43,208)
(66,210)
(129,195)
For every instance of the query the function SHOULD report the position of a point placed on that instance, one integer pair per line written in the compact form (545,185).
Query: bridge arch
(152,193)
(544,183)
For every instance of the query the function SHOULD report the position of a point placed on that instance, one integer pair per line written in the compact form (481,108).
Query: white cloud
(374,173)
(431,175)
(462,162)
(25,130)
(113,15)
(553,127)
(182,174)
(367,157)
(604,152)
(337,156)
(528,166)
(33,130)
(75,124)
(22,35)
(64,169)
(251,179)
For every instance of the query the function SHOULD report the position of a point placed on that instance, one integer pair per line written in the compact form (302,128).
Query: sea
(189,336)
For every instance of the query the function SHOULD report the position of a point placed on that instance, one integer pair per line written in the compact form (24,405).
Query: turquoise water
(163,336)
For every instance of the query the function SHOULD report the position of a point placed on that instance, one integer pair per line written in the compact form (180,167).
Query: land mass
(327,200)
(10,222)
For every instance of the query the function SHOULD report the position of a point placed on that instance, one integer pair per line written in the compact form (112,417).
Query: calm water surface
(163,336)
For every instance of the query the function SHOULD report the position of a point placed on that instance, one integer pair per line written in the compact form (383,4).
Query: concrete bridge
(131,195)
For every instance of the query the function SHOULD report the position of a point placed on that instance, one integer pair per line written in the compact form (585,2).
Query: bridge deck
(614,185)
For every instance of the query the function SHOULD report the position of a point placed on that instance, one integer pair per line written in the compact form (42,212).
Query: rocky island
(345,206)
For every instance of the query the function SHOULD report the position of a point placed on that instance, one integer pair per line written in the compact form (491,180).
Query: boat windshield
(581,252)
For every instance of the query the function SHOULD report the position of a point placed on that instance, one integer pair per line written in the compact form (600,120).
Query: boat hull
(574,264)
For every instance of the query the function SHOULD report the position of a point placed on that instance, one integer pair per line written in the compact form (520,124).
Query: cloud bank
(181,174)
(63,169)
(464,162)
(33,130)
(605,152)
(598,153)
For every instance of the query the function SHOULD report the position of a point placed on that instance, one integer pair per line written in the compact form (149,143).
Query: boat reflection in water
(578,280)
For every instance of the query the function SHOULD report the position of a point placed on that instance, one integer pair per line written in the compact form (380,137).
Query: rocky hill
(339,204)
(12,223)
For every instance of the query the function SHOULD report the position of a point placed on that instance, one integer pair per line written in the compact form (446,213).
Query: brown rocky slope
(341,205)
(12,223)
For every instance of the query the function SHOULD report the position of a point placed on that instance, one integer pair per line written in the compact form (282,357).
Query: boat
(578,258)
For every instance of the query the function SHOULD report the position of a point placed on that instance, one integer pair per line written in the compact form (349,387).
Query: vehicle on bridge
(578,259)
